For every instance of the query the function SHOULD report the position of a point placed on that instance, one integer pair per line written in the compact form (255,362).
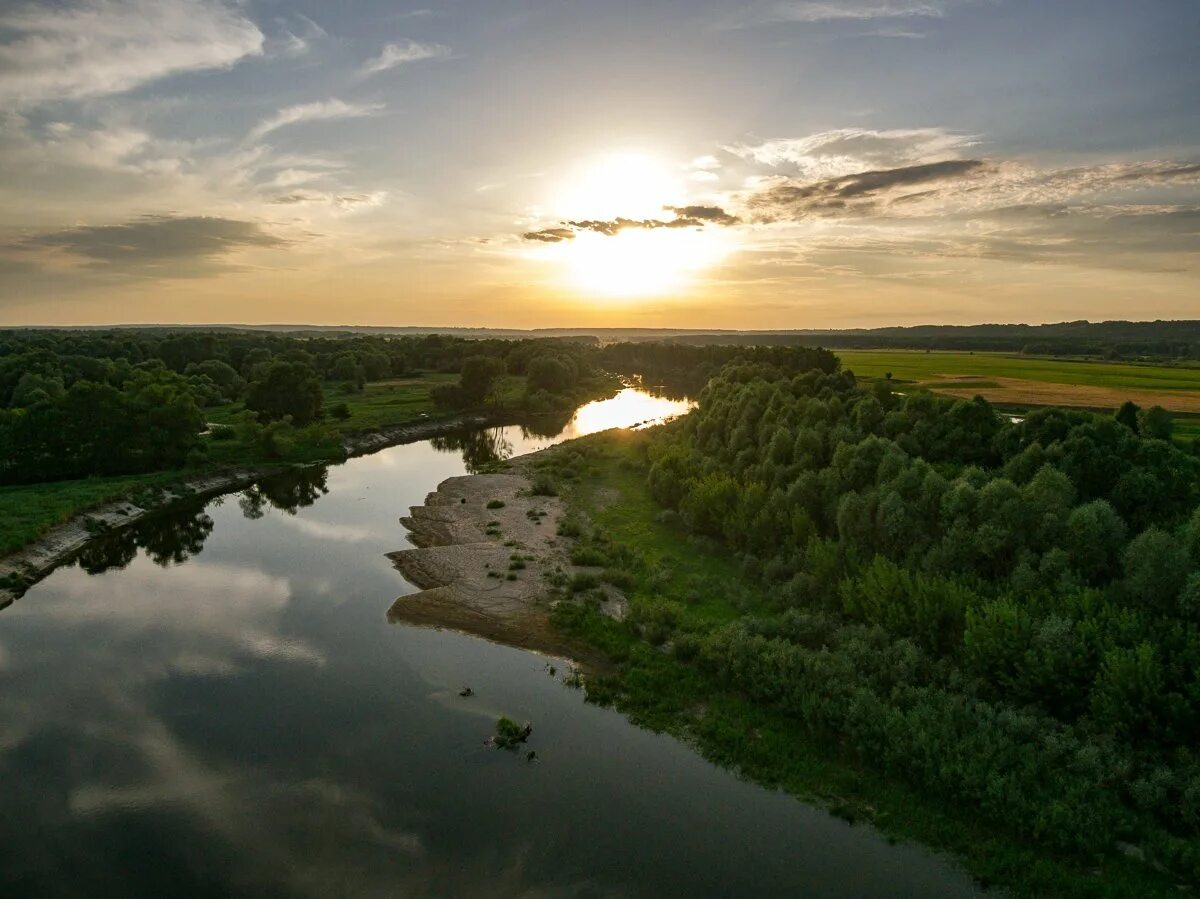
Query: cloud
(700,215)
(292,42)
(164,245)
(98,47)
(791,199)
(394,55)
(836,10)
(550,235)
(844,151)
(685,217)
(322,110)
(344,202)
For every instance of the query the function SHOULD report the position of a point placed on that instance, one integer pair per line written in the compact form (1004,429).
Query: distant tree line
(1005,614)
(1165,340)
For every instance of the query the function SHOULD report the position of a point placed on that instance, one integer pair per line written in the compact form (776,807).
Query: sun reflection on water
(631,408)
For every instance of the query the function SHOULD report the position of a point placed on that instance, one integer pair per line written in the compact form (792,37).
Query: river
(213,703)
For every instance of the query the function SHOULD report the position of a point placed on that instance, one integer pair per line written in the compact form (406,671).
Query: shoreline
(35,560)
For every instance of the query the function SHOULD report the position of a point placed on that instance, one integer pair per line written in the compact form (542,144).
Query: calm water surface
(214,703)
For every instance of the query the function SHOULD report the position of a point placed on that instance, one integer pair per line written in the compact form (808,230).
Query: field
(1018,381)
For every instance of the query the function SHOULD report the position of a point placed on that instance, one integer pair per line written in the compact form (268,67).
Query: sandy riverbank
(484,571)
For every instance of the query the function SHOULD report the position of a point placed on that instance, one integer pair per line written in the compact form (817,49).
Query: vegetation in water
(509,734)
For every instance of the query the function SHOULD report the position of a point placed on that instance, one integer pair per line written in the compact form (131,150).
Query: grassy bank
(680,590)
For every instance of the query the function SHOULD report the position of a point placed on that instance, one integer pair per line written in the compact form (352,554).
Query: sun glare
(639,262)
(632,185)
(634,262)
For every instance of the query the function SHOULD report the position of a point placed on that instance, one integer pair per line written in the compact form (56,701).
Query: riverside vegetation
(977,633)
(91,417)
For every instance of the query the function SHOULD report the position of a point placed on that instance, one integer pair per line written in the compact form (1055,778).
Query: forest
(1001,614)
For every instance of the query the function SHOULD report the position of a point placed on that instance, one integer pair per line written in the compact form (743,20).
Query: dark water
(214,704)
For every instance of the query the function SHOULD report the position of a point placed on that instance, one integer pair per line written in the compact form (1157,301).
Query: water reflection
(174,535)
(169,538)
(479,448)
(629,408)
(288,491)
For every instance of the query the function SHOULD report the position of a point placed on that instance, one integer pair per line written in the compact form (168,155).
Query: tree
(1155,568)
(286,388)
(550,373)
(346,368)
(35,388)
(480,377)
(1094,536)
(225,376)
(1156,422)
(1128,416)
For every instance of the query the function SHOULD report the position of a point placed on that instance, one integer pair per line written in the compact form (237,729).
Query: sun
(634,262)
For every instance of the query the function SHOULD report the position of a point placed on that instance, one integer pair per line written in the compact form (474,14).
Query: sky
(778,164)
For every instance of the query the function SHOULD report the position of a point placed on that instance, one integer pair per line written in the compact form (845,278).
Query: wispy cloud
(321,110)
(833,10)
(394,55)
(342,202)
(98,47)
(295,39)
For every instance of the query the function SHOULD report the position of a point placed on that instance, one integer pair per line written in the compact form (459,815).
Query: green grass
(377,405)
(662,690)
(911,365)
(1186,428)
(28,511)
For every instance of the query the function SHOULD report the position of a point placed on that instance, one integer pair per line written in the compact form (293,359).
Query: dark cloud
(685,217)
(1163,173)
(549,235)
(154,241)
(792,199)
(712,215)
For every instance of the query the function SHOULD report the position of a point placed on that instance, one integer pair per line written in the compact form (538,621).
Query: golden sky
(842,163)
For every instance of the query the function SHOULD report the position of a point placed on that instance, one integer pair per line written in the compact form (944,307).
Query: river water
(214,703)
